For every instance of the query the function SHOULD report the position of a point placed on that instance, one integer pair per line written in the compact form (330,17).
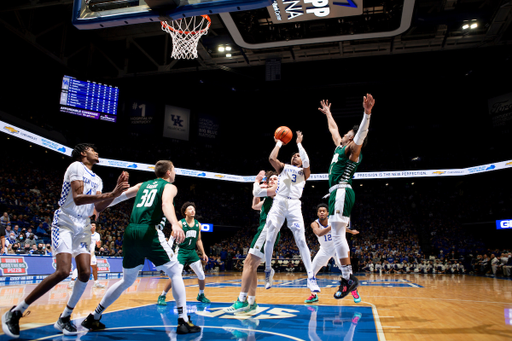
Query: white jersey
(95,237)
(325,241)
(92,185)
(291,182)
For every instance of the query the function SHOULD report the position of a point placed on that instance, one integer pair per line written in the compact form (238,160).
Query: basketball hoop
(185,35)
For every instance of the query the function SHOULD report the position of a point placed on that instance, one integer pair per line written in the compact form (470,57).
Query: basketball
(284,134)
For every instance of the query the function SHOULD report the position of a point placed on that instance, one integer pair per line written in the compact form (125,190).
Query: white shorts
(93,259)
(70,235)
(323,257)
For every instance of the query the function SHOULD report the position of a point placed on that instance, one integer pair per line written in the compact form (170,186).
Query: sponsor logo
(438,172)
(219,176)
(480,169)
(11,130)
(103,265)
(206,227)
(151,167)
(508,164)
(504,224)
(13,266)
(52,145)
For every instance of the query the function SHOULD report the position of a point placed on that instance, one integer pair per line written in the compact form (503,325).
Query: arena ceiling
(144,49)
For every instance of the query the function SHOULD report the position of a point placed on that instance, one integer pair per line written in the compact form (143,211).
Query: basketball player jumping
(246,301)
(144,239)
(322,229)
(71,236)
(347,157)
(187,253)
(287,205)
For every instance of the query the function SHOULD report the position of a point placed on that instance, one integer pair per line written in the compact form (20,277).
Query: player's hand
(325,107)
(260,176)
(355,231)
(120,188)
(368,103)
(123,177)
(299,136)
(178,233)
(205,258)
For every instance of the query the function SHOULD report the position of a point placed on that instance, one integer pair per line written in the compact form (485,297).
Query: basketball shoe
(66,326)
(161,300)
(356,296)
(11,322)
(313,285)
(91,324)
(346,287)
(312,298)
(237,307)
(202,298)
(187,327)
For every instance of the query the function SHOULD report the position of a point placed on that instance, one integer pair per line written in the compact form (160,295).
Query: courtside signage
(504,224)
(206,227)
(13,266)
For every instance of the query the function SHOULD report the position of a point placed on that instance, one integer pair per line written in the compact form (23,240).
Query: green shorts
(257,235)
(187,257)
(145,241)
(341,201)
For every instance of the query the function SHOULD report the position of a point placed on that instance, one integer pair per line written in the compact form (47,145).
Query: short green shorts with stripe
(145,241)
(187,257)
(257,235)
(341,201)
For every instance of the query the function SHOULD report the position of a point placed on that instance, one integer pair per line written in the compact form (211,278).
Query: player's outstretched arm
(303,156)
(77,189)
(128,194)
(325,108)
(168,196)
(278,165)
(362,132)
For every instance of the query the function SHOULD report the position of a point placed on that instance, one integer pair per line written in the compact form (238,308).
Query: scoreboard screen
(89,99)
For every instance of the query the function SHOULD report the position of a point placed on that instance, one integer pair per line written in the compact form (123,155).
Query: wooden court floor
(404,307)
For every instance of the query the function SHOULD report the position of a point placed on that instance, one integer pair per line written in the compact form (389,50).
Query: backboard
(94,14)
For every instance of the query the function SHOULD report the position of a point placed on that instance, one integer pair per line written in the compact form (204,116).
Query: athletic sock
(164,293)
(251,299)
(242,297)
(346,271)
(77,292)
(22,306)
(201,292)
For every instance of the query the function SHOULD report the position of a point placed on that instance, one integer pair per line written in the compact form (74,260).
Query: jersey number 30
(148,196)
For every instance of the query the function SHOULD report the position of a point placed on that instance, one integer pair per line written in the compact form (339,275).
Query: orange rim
(165,25)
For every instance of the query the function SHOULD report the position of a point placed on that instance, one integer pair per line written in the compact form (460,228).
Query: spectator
(4,219)
(39,250)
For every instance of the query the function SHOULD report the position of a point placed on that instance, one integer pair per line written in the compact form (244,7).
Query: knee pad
(198,269)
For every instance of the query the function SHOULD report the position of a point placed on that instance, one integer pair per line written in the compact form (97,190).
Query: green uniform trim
(341,171)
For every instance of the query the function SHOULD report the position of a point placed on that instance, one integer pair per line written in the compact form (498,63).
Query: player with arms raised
(287,205)
(347,157)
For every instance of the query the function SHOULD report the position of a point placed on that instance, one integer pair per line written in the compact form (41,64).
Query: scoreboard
(89,99)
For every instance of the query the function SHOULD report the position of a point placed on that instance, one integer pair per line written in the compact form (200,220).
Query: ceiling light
(228,55)
(474,25)
(228,48)
(465,26)
(221,49)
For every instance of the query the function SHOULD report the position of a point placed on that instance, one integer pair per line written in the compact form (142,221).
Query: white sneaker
(269,278)
(71,284)
(312,285)
(98,285)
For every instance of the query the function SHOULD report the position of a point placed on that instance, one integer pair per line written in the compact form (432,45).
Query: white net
(185,35)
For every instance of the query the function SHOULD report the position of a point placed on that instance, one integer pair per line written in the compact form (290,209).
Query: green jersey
(265,208)
(191,235)
(147,209)
(342,169)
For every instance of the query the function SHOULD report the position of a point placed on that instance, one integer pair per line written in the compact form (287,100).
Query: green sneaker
(312,298)
(237,307)
(252,308)
(202,298)
(161,300)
